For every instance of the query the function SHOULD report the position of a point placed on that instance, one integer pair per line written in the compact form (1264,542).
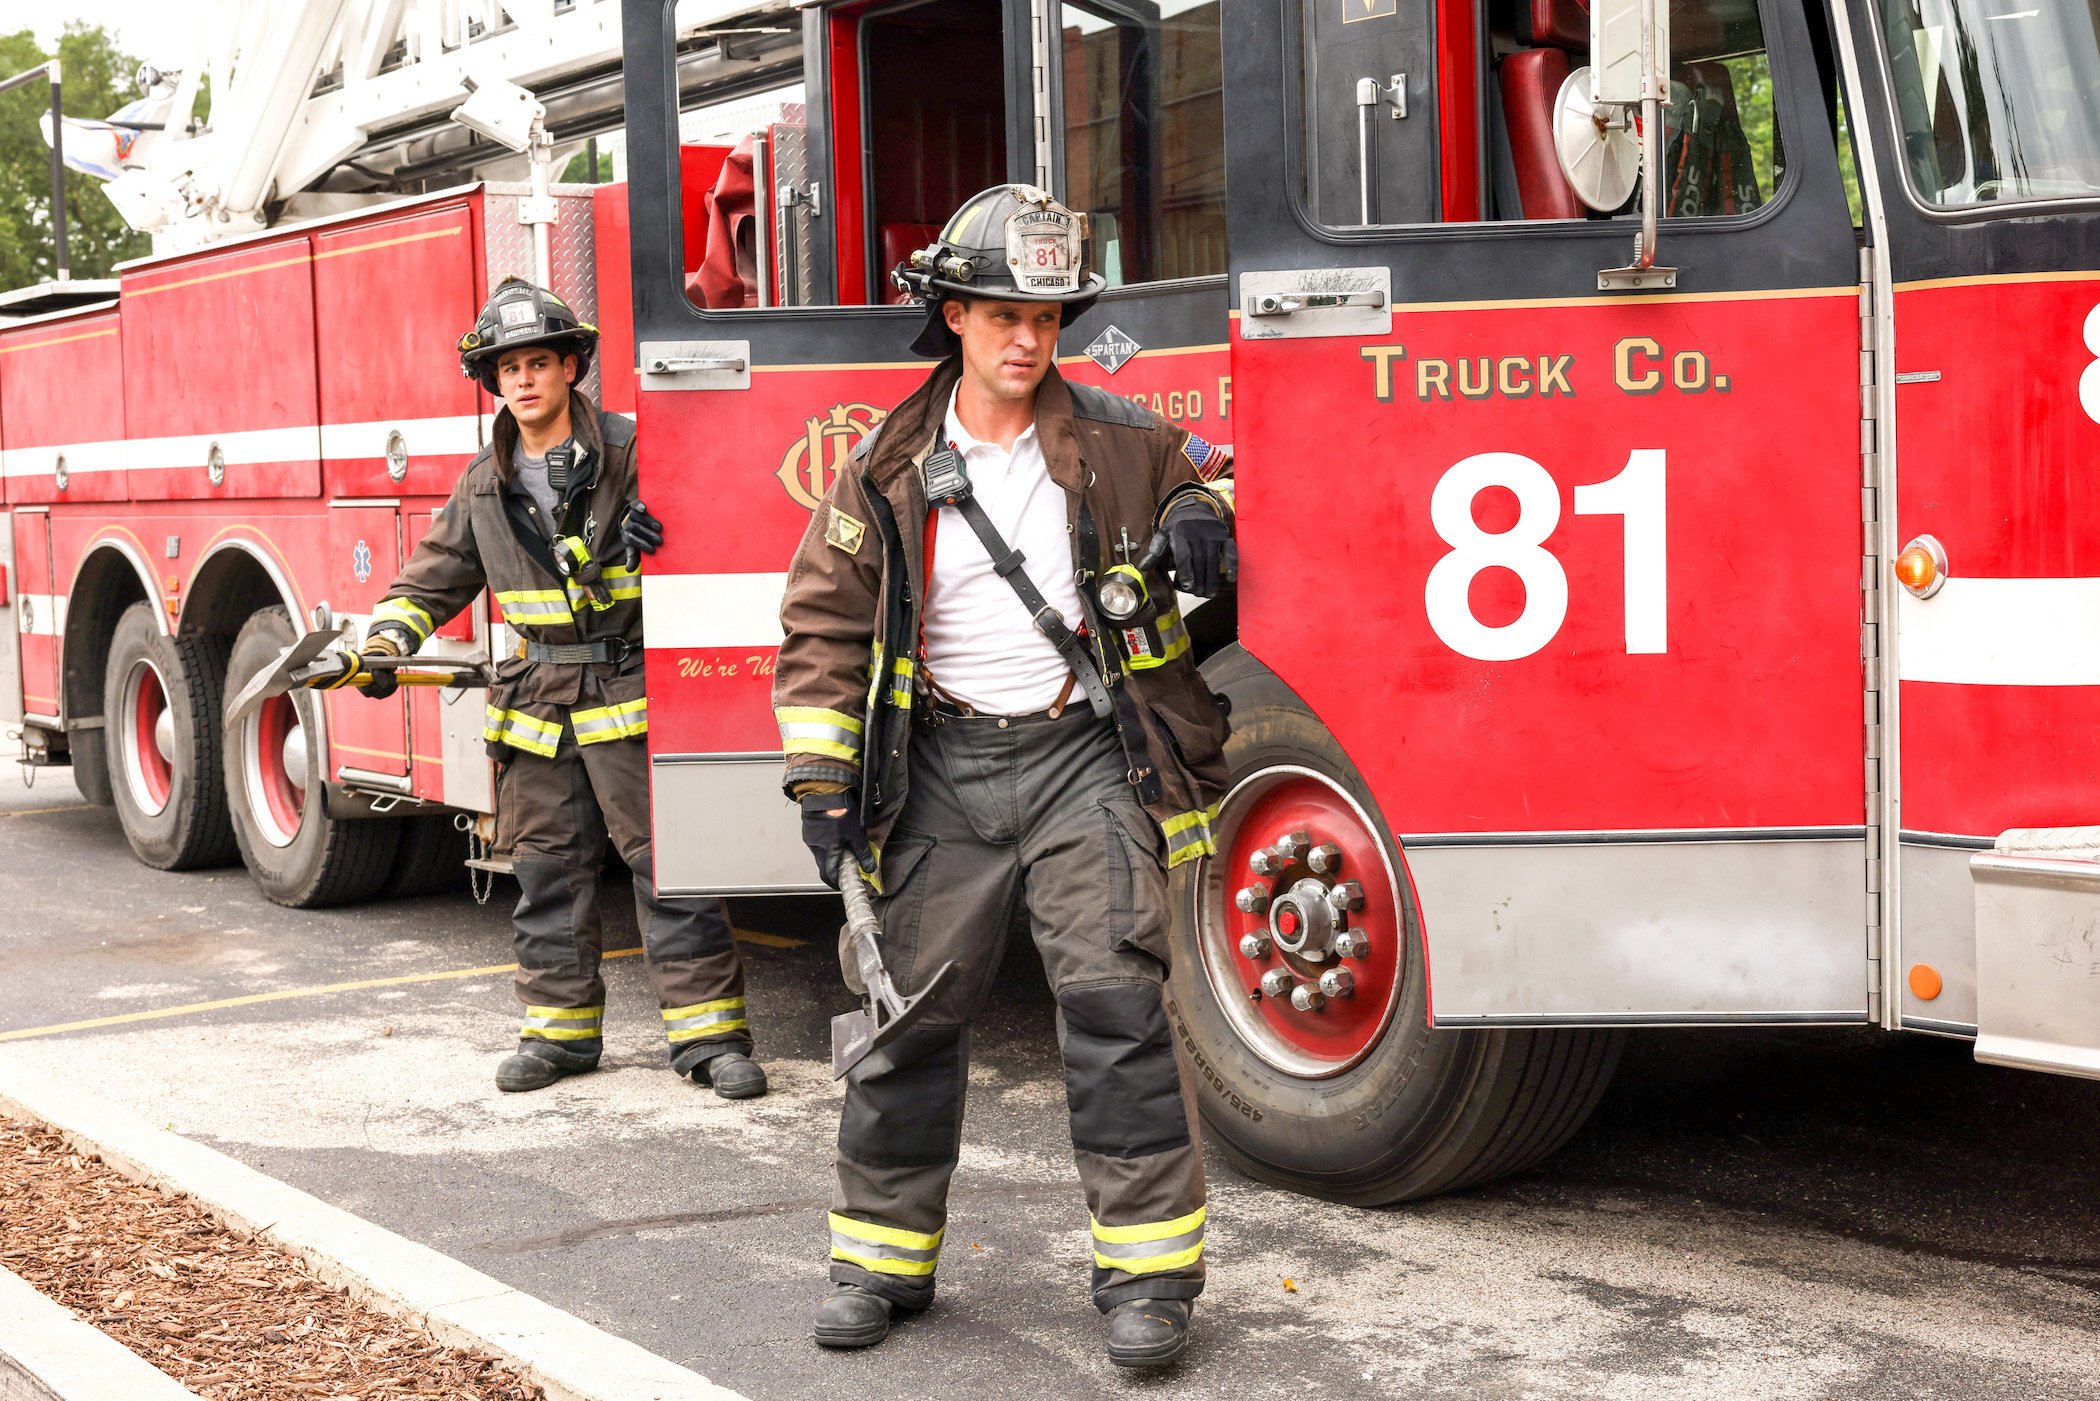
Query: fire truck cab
(1633,630)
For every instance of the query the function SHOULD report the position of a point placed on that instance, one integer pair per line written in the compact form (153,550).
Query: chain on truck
(1671,579)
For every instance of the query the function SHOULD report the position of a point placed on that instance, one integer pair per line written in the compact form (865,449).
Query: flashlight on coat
(1122,593)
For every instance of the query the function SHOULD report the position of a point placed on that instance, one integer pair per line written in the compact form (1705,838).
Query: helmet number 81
(1636,494)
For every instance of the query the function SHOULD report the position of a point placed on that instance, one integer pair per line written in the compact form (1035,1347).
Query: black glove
(381,642)
(1205,557)
(831,839)
(383,684)
(640,530)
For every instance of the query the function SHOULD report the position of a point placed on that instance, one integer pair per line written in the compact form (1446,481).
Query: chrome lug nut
(1325,859)
(1254,946)
(1306,997)
(1278,982)
(1346,896)
(1293,845)
(1252,899)
(1352,943)
(1268,862)
(1337,982)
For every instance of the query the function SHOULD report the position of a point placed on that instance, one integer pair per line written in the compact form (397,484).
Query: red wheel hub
(280,789)
(156,775)
(1353,933)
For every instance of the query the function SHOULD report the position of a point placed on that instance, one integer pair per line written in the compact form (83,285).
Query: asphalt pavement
(1795,1214)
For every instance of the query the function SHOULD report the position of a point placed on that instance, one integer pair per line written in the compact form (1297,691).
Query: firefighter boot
(733,1074)
(537,1065)
(1148,1332)
(853,1317)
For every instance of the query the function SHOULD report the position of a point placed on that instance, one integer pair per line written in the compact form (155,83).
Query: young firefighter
(1011,745)
(546,519)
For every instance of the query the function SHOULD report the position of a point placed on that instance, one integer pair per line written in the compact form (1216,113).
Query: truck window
(1995,100)
(1365,163)
(1144,135)
(934,87)
(915,119)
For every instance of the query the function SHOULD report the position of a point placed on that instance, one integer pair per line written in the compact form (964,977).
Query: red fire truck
(1660,606)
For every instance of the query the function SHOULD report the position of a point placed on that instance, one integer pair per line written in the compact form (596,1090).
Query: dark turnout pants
(1036,811)
(554,816)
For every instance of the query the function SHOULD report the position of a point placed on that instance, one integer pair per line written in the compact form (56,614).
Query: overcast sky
(145,28)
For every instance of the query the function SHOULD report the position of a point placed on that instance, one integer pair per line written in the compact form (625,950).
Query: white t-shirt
(981,646)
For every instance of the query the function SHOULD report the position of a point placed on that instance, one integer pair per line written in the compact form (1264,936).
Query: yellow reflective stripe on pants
(520,731)
(884,1250)
(704,1019)
(564,1023)
(530,606)
(623,721)
(814,730)
(408,613)
(1189,836)
(1151,1247)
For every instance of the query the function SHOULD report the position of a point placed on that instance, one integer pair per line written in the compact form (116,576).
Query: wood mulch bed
(227,1315)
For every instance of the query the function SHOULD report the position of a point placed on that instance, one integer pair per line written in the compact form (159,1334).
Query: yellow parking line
(39,812)
(774,941)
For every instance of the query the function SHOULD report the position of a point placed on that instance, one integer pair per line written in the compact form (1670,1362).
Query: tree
(98,80)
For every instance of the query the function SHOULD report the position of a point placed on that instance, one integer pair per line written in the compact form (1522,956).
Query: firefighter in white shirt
(1016,747)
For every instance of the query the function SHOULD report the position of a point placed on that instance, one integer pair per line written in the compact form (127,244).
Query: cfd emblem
(826,442)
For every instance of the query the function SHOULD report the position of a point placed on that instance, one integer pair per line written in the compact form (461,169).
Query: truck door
(761,370)
(1986,164)
(1573,576)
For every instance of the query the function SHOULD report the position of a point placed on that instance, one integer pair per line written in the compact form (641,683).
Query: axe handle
(459,679)
(867,931)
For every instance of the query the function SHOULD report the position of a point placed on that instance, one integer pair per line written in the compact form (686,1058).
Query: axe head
(282,677)
(859,1034)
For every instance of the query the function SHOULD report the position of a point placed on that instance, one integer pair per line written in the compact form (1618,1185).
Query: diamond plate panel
(572,251)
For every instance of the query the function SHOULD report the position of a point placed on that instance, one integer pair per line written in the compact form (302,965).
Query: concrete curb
(460,1306)
(48,1353)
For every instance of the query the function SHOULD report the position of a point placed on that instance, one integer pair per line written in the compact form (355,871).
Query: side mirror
(1598,150)
(1629,70)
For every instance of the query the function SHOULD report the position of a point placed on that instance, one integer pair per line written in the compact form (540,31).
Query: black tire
(165,777)
(1423,1112)
(432,859)
(90,751)
(303,858)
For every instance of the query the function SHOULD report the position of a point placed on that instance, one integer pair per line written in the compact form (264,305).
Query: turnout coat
(490,535)
(848,664)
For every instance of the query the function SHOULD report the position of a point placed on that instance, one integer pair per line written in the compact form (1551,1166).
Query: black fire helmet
(520,314)
(1011,243)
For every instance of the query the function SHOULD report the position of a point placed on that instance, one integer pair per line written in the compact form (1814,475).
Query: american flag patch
(1207,458)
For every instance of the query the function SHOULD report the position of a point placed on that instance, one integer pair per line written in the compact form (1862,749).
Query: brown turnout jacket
(490,535)
(847,669)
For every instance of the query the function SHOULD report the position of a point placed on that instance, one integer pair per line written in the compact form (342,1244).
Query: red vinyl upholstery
(1555,24)
(1531,79)
(893,244)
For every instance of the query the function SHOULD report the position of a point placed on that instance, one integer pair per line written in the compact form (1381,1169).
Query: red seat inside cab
(1557,38)
(893,244)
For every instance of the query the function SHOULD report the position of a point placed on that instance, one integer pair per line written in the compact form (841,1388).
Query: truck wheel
(276,779)
(160,708)
(1346,1093)
(432,859)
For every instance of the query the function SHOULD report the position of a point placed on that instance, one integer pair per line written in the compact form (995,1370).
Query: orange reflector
(1924,981)
(1916,569)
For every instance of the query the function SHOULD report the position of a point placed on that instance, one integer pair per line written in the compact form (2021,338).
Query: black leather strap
(1048,621)
(605,649)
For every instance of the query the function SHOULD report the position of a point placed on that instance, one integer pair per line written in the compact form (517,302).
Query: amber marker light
(1924,981)
(1922,567)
